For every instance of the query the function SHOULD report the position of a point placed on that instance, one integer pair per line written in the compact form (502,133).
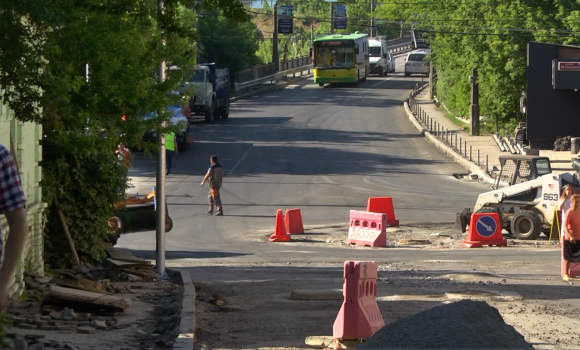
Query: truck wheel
(209,113)
(320,84)
(526,225)
(407,74)
(216,111)
(225,109)
(381,72)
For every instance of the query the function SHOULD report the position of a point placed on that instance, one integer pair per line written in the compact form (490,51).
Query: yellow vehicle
(341,58)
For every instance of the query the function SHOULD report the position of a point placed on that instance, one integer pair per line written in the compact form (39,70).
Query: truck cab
(380,58)
(208,91)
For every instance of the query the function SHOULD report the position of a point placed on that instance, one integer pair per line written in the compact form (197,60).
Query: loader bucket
(462,220)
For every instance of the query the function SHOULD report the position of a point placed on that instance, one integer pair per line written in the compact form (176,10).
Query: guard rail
(299,67)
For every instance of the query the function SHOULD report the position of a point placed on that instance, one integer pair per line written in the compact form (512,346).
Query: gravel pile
(465,324)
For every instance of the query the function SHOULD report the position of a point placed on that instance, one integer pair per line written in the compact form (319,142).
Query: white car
(416,63)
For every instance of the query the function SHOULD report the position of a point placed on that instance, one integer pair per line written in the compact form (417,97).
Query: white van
(379,56)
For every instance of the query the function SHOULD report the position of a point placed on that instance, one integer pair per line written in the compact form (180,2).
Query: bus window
(342,57)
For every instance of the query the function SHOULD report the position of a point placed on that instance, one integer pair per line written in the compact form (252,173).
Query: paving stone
(71,347)
(46,327)
(42,323)
(101,325)
(86,330)
(20,343)
(61,327)
(34,336)
(68,312)
(84,324)
(55,315)
(46,318)
(27,326)
(36,346)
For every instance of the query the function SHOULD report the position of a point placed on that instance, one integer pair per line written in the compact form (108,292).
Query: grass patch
(5,321)
(457,122)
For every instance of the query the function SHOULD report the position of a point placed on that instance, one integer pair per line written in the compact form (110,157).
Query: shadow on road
(176,255)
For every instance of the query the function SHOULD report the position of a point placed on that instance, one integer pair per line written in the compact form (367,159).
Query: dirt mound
(465,324)
(563,143)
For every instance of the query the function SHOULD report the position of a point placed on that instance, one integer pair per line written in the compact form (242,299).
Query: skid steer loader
(525,196)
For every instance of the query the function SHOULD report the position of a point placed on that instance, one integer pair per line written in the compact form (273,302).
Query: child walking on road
(571,244)
(214,177)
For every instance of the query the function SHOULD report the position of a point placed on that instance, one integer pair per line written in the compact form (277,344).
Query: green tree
(490,36)
(228,43)
(45,49)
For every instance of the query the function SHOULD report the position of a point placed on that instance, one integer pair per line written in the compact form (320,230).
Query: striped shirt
(11,194)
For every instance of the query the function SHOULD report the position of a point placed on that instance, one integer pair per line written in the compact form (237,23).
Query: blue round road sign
(485,226)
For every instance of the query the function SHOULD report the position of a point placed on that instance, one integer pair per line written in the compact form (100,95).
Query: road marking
(241,159)
(394,76)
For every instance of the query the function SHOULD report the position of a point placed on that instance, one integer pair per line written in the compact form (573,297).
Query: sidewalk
(464,148)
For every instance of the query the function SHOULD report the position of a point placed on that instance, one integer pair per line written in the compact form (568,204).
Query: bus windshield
(375,51)
(334,57)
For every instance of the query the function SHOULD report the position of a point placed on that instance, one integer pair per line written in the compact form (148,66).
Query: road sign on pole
(285,19)
(340,17)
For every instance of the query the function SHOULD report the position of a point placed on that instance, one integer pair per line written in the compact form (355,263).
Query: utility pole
(474,105)
(331,18)
(431,80)
(275,58)
(160,182)
(372,17)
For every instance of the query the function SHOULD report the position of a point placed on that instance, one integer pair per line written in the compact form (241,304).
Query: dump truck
(208,91)
(525,196)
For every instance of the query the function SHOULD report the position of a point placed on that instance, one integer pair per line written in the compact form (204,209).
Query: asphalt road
(323,150)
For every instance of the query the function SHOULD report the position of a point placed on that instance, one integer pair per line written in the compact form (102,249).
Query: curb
(273,87)
(186,337)
(448,150)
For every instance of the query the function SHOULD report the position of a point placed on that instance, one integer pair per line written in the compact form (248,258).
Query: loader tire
(484,210)
(526,225)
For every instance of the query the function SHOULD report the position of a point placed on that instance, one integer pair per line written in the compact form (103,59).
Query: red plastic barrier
(280,234)
(573,269)
(359,317)
(383,205)
(293,220)
(484,229)
(367,229)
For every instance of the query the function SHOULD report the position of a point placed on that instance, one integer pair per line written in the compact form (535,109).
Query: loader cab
(518,168)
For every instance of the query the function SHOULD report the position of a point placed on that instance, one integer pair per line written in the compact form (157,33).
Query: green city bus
(341,58)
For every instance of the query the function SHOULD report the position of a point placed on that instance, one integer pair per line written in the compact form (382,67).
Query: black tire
(526,225)
(209,113)
(407,74)
(216,110)
(491,210)
(225,110)
(381,72)
(320,84)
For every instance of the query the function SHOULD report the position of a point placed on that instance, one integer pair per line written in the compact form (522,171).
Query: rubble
(87,299)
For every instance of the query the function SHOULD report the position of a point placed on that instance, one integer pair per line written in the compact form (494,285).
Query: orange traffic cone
(280,234)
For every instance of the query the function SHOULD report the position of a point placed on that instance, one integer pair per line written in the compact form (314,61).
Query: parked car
(178,120)
(416,63)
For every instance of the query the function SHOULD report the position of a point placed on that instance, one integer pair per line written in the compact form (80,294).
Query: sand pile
(465,324)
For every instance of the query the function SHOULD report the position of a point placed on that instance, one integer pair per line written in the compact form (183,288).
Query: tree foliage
(490,36)
(88,63)
(228,43)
